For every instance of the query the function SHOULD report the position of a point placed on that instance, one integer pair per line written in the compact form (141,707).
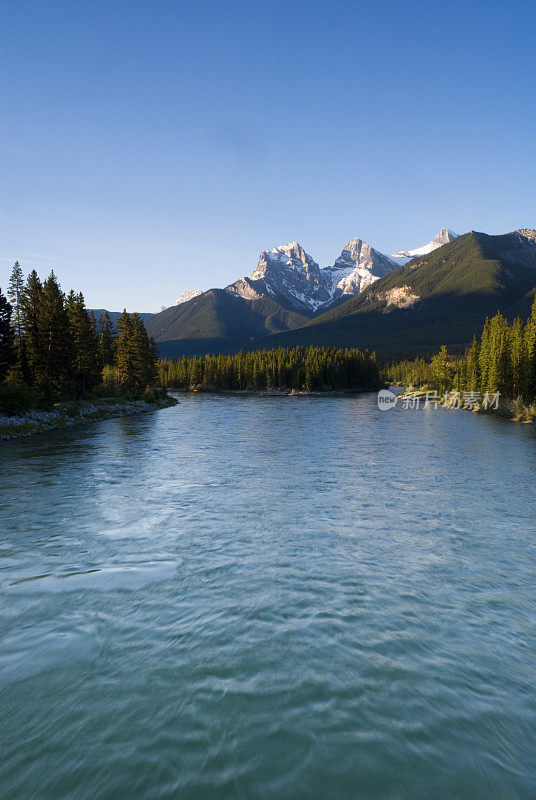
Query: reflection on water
(247,597)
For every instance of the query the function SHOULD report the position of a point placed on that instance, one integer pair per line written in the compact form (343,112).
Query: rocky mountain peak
(357,267)
(528,233)
(356,252)
(287,257)
(443,237)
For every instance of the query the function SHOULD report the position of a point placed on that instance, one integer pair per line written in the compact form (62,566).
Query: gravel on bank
(67,415)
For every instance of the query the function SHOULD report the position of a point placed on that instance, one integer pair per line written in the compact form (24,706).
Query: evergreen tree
(473,370)
(15,293)
(143,355)
(31,303)
(54,341)
(529,381)
(83,340)
(6,336)
(441,369)
(123,352)
(135,354)
(497,357)
(517,359)
(106,349)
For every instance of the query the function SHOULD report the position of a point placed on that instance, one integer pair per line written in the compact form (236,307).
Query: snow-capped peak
(288,273)
(188,294)
(357,267)
(443,237)
(289,256)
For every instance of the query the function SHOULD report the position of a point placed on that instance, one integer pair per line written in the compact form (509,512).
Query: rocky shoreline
(69,414)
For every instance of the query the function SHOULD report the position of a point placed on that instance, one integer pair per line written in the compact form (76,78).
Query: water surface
(254,597)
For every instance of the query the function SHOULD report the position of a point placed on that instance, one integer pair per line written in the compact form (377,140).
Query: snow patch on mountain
(443,237)
(188,294)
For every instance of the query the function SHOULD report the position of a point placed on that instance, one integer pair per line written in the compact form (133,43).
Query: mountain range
(409,302)
(442,297)
(292,277)
(286,290)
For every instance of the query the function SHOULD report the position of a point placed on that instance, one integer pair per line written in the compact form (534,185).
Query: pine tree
(484,356)
(31,303)
(106,349)
(517,359)
(6,337)
(15,293)
(54,342)
(143,355)
(529,381)
(441,369)
(473,370)
(123,352)
(83,340)
(497,356)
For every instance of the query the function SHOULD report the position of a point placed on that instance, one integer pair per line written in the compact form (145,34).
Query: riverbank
(66,415)
(513,410)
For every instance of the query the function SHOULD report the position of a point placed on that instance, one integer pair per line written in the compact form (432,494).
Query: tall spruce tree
(498,376)
(517,357)
(106,334)
(123,353)
(135,354)
(529,381)
(441,369)
(83,341)
(6,337)
(473,370)
(15,293)
(54,341)
(144,361)
(31,303)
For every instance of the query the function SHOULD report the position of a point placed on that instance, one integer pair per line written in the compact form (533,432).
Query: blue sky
(150,147)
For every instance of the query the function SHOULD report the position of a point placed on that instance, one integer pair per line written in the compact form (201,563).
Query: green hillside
(223,317)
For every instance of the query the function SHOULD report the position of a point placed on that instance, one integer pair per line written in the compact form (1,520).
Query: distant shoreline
(69,415)
(273,392)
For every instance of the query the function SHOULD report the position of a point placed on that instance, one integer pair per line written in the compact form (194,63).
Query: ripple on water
(62,642)
(120,577)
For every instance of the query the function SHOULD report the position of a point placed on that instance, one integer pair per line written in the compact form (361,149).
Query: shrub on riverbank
(16,397)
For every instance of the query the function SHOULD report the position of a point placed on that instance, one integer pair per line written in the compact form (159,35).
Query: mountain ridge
(289,274)
(440,298)
(441,295)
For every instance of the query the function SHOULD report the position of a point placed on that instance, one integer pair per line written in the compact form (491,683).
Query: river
(270,597)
